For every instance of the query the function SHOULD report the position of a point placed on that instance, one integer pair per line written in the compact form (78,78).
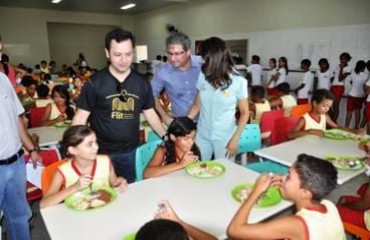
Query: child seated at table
(284,100)
(60,110)
(168,225)
(178,151)
(259,104)
(83,167)
(315,121)
(308,181)
(356,209)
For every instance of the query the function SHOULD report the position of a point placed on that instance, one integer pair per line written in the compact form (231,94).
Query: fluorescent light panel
(56,1)
(128,6)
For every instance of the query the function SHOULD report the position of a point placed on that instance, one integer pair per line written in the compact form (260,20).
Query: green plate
(79,196)
(212,169)
(64,124)
(338,134)
(270,198)
(340,162)
(131,236)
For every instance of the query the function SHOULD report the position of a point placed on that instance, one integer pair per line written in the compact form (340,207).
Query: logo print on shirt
(123,110)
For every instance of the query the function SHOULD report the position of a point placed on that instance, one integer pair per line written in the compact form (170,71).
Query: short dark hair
(119,35)
(323,61)
(28,81)
(306,62)
(368,65)
(320,95)
(283,87)
(179,38)
(256,58)
(258,91)
(162,229)
(316,175)
(346,56)
(42,91)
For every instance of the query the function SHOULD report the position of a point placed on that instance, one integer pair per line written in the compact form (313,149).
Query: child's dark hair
(180,127)
(256,59)
(75,135)
(284,59)
(28,81)
(42,91)
(5,62)
(316,175)
(306,62)
(162,229)
(360,66)
(283,87)
(258,91)
(273,60)
(63,92)
(119,35)
(324,61)
(346,56)
(320,95)
(368,65)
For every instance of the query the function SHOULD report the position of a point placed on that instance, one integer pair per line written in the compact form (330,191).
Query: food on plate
(343,162)
(271,197)
(89,201)
(205,170)
(343,135)
(243,194)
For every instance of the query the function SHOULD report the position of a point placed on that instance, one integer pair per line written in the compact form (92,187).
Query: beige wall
(237,18)
(24,31)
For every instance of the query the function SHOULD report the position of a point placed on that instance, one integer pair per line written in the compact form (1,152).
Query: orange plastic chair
(36,115)
(267,122)
(357,231)
(300,110)
(48,173)
(282,126)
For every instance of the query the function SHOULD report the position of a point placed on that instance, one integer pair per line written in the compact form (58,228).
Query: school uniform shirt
(358,84)
(260,109)
(307,81)
(324,79)
(336,81)
(217,111)
(282,76)
(322,225)
(256,70)
(288,101)
(269,75)
(100,171)
(310,122)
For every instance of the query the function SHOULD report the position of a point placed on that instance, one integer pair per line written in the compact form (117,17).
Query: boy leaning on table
(308,180)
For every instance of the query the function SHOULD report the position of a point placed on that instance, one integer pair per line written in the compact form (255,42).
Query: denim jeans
(124,164)
(13,200)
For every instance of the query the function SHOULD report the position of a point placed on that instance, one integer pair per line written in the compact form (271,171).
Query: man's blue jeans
(124,164)
(13,200)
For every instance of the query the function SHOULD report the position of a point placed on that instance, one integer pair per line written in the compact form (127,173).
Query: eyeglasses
(123,93)
(175,53)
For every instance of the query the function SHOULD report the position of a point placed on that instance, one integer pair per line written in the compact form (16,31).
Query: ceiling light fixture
(128,6)
(56,1)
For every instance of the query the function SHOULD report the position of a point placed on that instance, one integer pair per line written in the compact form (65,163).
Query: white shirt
(10,109)
(336,81)
(358,84)
(307,81)
(324,79)
(269,75)
(256,70)
(282,76)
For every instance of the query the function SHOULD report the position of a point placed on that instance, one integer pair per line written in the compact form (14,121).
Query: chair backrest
(47,175)
(267,121)
(250,139)
(144,154)
(300,110)
(357,231)
(282,126)
(36,115)
(153,136)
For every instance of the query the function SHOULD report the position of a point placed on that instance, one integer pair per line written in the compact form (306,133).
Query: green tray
(131,236)
(338,134)
(65,124)
(71,199)
(270,198)
(195,170)
(359,163)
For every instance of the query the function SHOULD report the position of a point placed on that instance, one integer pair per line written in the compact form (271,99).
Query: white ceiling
(94,6)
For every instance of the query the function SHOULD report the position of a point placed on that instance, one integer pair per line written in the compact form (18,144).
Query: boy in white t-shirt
(270,83)
(306,84)
(256,70)
(325,76)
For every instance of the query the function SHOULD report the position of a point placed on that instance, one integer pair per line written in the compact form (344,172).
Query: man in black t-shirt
(112,101)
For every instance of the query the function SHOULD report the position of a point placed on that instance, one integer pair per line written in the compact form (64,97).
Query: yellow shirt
(312,123)
(323,225)
(100,172)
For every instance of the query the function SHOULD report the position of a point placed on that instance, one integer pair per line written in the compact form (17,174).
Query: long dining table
(286,153)
(205,203)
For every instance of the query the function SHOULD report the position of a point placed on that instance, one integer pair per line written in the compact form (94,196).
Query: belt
(11,159)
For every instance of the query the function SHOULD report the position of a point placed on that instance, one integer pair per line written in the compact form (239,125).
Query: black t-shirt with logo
(116,123)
